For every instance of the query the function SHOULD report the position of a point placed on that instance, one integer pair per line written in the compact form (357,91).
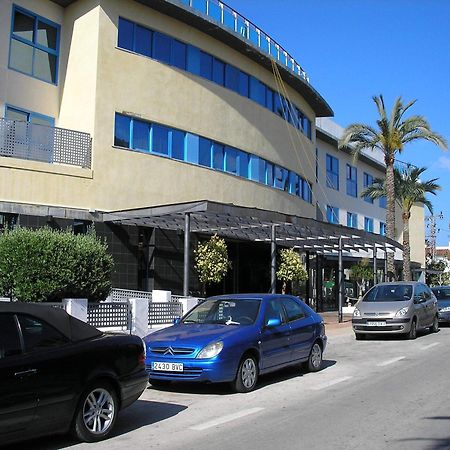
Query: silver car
(399,307)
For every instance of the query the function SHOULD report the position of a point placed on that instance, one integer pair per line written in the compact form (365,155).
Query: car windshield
(389,293)
(442,293)
(225,311)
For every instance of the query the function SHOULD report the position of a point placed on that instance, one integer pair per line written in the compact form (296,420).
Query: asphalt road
(375,394)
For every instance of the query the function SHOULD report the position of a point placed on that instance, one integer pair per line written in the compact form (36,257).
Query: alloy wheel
(98,411)
(248,373)
(316,356)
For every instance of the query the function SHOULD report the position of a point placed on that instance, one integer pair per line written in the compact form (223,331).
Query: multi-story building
(128,114)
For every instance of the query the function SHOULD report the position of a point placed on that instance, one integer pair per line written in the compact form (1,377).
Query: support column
(340,281)
(385,264)
(187,236)
(308,282)
(374,264)
(273,261)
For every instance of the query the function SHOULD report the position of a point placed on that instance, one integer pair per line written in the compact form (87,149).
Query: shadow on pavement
(139,414)
(432,443)
(225,389)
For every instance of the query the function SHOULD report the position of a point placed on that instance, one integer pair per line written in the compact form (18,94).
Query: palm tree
(409,189)
(390,136)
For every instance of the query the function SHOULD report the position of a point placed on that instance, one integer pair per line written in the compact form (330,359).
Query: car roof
(255,296)
(69,326)
(388,283)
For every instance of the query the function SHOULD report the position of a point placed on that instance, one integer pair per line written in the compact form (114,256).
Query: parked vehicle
(442,294)
(58,373)
(396,307)
(236,338)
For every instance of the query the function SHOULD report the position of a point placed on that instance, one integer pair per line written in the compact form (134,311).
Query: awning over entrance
(253,224)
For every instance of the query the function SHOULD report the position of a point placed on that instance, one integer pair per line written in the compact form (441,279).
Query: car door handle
(26,373)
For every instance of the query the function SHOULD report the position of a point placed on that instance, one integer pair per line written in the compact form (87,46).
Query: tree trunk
(406,247)
(390,212)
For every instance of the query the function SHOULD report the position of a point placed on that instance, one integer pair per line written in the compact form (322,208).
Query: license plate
(167,367)
(376,324)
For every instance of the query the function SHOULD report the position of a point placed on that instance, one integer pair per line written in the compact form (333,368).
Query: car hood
(381,308)
(196,335)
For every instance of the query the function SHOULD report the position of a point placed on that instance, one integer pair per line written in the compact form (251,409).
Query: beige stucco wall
(417,234)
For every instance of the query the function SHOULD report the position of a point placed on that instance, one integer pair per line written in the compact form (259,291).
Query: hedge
(48,265)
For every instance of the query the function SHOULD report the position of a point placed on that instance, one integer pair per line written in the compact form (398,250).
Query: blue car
(236,338)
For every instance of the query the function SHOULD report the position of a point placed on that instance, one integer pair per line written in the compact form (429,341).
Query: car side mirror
(273,323)
(177,320)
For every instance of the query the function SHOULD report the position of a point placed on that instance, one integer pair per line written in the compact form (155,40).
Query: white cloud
(442,163)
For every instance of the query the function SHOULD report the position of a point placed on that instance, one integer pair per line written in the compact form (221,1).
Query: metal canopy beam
(252,224)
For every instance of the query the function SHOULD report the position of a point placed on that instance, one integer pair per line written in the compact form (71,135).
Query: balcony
(33,142)
(231,19)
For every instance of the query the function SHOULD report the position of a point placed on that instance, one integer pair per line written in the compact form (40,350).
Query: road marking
(429,346)
(390,361)
(225,419)
(331,383)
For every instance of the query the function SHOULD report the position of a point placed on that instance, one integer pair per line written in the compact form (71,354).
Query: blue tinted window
(143,42)
(269,99)
(367,181)
(278,105)
(382,229)
(218,75)
(232,78)
(218,156)
(257,169)
(307,128)
(206,65)
(178,138)
(332,165)
(368,224)
(269,178)
(231,160)
(306,191)
(332,214)
(281,178)
(179,54)
(122,131)
(160,139)
(243,84)
(126,32)
(192,144)
(352,185)
(162,47)
(257,91)
(204,152)
(141,135)
(193,59)
(294,185)
(243,164)
(352,220)
(383,202)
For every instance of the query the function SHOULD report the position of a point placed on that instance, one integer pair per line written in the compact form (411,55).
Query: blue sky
(354,49)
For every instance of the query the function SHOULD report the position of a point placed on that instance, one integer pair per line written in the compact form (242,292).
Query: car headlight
(211,350)
(445,309)
(402,312)
(356,312)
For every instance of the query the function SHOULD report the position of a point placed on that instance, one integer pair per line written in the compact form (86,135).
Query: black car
(59,374)
(442,294)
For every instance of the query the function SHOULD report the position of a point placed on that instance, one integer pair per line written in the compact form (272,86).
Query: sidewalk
(332,325)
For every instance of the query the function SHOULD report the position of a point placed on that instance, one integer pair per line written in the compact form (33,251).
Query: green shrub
(48,265)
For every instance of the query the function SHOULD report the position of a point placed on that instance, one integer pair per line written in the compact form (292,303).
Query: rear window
(389,293)
(442,293)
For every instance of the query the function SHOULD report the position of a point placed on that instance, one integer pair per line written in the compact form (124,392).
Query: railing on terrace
(123,295)
(109,314)
(43,143)
(164,313)
(231,19)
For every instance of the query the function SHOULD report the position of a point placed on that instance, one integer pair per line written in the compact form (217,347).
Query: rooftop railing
(231,19)
(43,143)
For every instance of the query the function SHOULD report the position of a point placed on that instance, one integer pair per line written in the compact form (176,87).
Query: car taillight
(141,359)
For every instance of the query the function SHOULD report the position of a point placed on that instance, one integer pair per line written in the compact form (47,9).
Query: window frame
(34,44)
(333,214)
(366,184)
(352,183)
(30,115)
(368,221)
(332,173)
(352,220)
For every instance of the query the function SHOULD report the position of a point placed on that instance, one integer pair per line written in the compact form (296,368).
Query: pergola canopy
(252,224)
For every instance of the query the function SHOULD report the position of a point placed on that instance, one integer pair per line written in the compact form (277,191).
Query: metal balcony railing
(43,143)
(231,19)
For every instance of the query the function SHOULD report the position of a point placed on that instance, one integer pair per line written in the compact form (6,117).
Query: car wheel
(159,383)
(247,374)
(413,330)
(360,336)
(96,413)
(435,327)
(315,358)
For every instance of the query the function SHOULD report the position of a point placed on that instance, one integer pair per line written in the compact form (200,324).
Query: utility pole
(433,232)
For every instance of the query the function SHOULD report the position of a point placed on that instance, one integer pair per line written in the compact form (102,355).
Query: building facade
(118,105)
